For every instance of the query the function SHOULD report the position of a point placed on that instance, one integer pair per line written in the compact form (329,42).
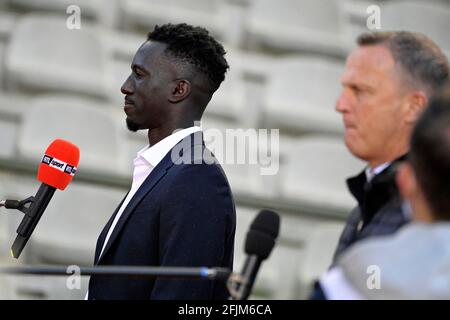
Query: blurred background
(286,58)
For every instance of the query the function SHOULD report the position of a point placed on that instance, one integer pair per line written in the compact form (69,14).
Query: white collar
(371,173)
(154,154)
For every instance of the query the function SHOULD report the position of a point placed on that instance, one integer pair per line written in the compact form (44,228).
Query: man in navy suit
(180,210)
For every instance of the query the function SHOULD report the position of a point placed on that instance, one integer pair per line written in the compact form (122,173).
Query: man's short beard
(132,126)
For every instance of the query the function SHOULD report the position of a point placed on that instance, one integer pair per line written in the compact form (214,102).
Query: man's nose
(127,87)
(342,102)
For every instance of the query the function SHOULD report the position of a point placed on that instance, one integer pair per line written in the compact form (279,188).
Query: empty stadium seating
(84,122)
(229,101)
(67,233)
(235,157)
(318,255)
(12,107)
(146,14)
(4,232)
(103,11)
(316,170)
(7,23)
(55,59)
(429,17)
(301,95)
(2,55)
(306,25)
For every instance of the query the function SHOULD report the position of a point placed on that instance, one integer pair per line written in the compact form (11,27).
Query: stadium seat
(8,134)
(316,171)
(122,45)
(306,25)
(44,56)
(7,22)
(318,254)
(40,288)
(429,17)
(229,100)
(12,107)
(80,121)
(278,275)
(68,231)
(255,66)
(103,11)
(2,66)
(301,95)
(6,288)
(145,14)
(4,231)
(120,72)
(243,168)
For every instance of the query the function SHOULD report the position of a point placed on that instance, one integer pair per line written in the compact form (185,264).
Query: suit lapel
(105,230)
(154,177)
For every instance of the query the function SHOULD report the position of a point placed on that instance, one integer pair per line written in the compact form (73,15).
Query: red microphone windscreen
(59,164)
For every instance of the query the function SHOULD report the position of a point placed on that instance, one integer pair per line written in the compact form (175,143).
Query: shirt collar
(370,173)
(154,154)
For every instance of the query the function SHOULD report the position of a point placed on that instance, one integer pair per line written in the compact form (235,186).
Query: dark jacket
(182,215)
(379,209)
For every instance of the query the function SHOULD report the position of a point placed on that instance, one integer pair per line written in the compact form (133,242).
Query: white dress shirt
(370,173)
(147,159)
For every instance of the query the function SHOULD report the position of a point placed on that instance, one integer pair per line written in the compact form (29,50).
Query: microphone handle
(10,204)
(251,267)
(31,218)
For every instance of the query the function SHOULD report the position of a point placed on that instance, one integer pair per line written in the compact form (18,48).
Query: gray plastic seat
(68,231)
(429,17)
(83,122)
(301,95)
(316,171)
(318,254)
(2,65)
(239,158)
(44,55)
(146,14)
(306,25)
(104,11)
(229,101)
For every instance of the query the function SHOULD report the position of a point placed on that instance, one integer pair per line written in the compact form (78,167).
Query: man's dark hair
(195,46)
(421,59)
(430,154)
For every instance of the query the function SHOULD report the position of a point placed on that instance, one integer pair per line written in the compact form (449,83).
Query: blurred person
(414,263)
(386,83)
(176,213)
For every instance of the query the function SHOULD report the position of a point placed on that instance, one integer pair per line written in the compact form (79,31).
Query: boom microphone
(56,171)
(258,246)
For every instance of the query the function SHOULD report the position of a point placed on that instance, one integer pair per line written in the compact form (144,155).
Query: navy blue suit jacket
(182,215)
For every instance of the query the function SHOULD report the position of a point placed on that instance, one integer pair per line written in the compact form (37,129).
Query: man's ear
(406,180)
(417,101)
(180,91)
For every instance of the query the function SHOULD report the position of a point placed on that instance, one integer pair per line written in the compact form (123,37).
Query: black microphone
(259,243)
(56,171)
(33,214)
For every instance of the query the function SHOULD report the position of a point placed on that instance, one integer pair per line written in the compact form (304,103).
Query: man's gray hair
(421,59)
